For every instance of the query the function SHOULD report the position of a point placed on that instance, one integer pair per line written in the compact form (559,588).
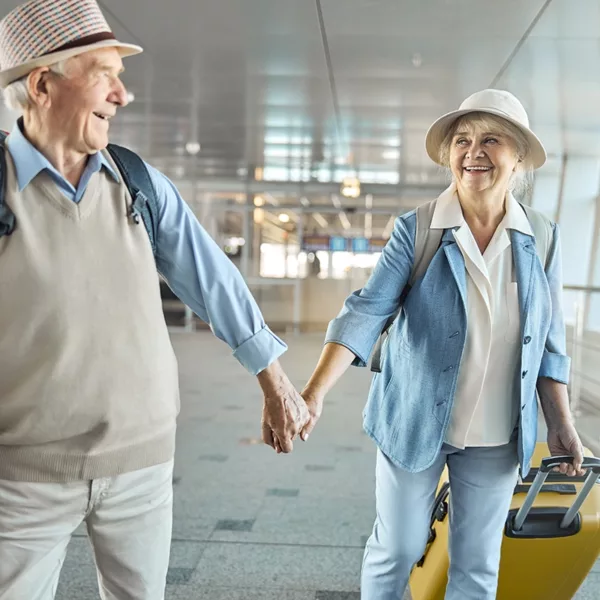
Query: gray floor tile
(283,493)
(178,575)
(229,593)
(77,591)
(219,458)
(78,578)
(590,590)
(234,525)
(186,555)
(322,595)
(307,521)
(288,567)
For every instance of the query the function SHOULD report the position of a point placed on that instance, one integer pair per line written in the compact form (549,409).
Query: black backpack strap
(144,204)
(8,221)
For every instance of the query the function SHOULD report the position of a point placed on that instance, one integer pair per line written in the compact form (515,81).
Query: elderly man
(88,377)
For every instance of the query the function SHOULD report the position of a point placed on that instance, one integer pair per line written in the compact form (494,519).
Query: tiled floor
(251,525)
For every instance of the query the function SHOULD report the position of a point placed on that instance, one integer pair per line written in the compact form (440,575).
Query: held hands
(311,412)
(286,413)
(564,440)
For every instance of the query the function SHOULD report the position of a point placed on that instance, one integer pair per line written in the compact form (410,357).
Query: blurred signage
(377,244)
(360,244)
(315,243)
(338,243)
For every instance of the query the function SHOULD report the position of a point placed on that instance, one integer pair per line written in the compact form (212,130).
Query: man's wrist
(272,378)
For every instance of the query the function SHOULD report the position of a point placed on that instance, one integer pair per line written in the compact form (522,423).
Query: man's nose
(119,94)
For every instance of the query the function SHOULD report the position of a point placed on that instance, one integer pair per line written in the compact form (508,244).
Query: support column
(576,220)
(297,316)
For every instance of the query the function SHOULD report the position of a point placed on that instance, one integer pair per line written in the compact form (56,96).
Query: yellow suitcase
(540,559)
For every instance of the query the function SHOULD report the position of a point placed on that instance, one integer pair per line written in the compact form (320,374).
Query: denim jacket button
(527,339)
(523,374)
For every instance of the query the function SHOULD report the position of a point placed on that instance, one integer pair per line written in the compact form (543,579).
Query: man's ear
(37,86)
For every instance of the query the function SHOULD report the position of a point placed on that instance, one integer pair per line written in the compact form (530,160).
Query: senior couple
(88,405)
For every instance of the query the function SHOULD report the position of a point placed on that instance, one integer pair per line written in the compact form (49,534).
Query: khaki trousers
(129,523)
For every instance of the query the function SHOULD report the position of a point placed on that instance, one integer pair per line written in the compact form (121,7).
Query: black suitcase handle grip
(589,462)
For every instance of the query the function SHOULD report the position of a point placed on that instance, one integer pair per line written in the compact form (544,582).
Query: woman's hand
(565,440)
(314,403)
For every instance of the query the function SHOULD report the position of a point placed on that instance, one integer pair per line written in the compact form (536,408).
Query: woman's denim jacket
(410,401)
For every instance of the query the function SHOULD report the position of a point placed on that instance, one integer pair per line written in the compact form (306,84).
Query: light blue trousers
(482,481)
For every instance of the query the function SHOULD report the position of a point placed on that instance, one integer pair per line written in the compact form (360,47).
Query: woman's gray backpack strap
(144,207)
(427,242)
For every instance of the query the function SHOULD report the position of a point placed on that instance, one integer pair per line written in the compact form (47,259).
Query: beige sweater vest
(88,376)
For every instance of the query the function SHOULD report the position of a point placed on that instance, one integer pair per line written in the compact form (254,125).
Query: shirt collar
(29,161)
(448,213)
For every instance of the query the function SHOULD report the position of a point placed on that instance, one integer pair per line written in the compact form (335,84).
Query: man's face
(83,101)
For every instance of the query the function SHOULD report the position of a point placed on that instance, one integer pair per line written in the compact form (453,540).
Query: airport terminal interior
(295,131)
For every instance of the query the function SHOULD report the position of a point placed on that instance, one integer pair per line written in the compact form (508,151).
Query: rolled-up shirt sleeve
(555,362)
(365,312)
(204,278)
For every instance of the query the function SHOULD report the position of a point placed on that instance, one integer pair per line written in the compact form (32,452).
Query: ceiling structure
(290,96)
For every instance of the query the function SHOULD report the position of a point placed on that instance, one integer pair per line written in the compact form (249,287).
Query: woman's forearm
(333,363)
(554,399)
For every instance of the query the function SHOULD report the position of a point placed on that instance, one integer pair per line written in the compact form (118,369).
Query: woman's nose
(475,150)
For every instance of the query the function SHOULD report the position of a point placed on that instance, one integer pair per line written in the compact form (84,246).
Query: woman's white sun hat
(496,102)
(43,32)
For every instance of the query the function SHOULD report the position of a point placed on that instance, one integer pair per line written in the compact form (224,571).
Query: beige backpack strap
(542,231)
(427,241)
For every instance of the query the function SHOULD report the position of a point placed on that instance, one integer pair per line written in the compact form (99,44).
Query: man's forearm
(554,399)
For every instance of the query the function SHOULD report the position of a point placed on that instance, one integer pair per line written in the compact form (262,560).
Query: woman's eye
(491,141)
(461,142)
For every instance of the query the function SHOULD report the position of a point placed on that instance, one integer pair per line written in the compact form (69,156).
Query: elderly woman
(477,334)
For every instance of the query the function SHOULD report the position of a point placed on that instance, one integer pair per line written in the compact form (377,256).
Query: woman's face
(482,160)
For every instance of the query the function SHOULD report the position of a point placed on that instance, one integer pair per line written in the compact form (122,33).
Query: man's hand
(565,440)
(314,402)
(284,410)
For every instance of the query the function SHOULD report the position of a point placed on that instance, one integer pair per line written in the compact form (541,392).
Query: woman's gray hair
(522,179)
(16,95)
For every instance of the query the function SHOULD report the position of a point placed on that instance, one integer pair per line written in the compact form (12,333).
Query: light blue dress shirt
(196,269)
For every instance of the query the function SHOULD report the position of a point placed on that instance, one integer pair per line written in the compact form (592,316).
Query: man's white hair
(16,95)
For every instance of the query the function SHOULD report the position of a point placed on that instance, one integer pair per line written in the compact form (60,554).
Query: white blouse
(486,407)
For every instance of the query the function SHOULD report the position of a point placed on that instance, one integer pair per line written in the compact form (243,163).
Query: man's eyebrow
(106,68)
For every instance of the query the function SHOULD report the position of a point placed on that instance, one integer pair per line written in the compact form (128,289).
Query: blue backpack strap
(137,179)
(8,221)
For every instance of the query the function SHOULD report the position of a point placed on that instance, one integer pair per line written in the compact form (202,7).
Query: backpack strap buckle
(7,220)
(137,206)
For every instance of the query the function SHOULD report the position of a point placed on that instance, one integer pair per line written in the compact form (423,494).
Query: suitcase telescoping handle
(591,464)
